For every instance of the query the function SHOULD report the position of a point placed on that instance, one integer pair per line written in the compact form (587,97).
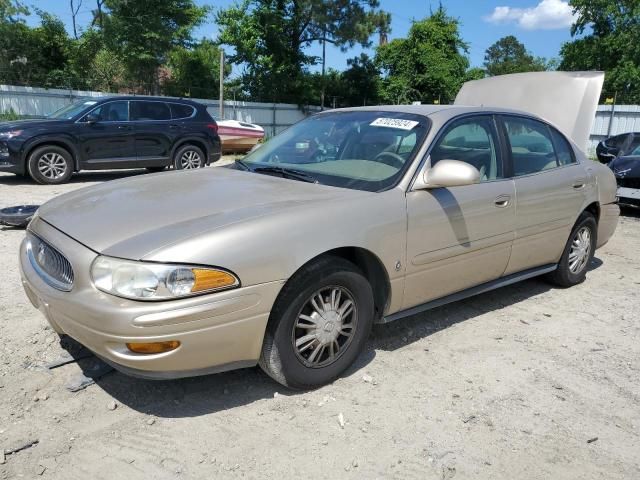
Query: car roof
(444,112)
(143,98)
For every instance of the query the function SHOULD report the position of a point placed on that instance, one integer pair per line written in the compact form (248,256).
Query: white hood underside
(568,100)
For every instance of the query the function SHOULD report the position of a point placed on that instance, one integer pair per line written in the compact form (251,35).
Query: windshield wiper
(243,165)
(288,173)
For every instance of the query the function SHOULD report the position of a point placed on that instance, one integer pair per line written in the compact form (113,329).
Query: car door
(107,140)
(551,190)
(460,237)
(154,132)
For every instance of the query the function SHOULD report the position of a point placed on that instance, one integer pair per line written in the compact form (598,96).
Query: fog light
(154,347)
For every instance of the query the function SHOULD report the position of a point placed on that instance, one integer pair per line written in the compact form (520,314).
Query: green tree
(332,84)
(107,72)
(50,52)
(361,82)
(143,33)
(34,56)
(12,10)
(508,55)
(82,55)
(475,73)
(607,35)
(194,72)
(429,65)
(269,38)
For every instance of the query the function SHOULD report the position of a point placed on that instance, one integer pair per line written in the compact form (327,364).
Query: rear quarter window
(179,111)
(564,152)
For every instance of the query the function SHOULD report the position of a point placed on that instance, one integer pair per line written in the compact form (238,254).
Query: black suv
(109,133)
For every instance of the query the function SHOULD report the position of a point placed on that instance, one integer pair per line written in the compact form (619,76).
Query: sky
(542,25)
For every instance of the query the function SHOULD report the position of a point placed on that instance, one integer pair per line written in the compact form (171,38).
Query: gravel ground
(526,382)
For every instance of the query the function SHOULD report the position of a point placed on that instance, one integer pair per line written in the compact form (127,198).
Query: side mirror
(448,173)
(91,119)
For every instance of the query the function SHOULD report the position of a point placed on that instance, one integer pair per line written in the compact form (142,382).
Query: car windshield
(72,110)
(362,150)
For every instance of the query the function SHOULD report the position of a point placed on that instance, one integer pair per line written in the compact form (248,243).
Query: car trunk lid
(566,99)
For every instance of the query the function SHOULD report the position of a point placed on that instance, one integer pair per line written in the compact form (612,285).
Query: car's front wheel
(577,254)
(188,157)
(318,325)
(50,165)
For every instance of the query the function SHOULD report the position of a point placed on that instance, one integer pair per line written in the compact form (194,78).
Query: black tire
(155,169)
(47,155)
(280,359)
(187,150)
(563,276)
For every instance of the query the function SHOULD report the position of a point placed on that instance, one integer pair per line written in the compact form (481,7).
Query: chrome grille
(50,264)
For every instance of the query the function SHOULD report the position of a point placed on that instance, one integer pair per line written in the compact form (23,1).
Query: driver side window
(112,112)
(472,141)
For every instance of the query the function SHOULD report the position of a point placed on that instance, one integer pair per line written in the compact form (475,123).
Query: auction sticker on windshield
(398,123)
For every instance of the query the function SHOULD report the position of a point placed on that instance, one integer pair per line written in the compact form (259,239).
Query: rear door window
(141,110)
(531,145)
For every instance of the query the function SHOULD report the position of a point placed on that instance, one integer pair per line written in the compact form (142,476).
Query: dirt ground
(526,382)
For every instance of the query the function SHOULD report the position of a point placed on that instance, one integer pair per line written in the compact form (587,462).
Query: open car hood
(566,99)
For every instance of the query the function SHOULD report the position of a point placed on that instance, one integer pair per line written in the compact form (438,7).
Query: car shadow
(86,176)
(395,335)
(193,397)
(629,212)
(197,396)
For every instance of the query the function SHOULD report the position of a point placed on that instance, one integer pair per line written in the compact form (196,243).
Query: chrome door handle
(502,201)
(579,186)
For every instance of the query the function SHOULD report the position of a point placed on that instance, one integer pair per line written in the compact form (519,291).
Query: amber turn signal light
(211,280)
(154,347)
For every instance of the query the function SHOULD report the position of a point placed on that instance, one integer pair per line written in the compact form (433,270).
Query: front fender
(64,140)
(274,246)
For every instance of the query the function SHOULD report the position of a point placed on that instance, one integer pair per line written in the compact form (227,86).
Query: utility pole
(324,60)
(221,112)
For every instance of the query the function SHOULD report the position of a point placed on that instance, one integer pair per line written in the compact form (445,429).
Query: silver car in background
(348,218)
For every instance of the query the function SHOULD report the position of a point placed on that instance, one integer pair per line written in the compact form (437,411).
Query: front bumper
(628,196)
(10,158)
(217,332)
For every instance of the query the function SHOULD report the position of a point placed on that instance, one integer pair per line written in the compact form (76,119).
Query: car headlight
(10,134)
(155,281)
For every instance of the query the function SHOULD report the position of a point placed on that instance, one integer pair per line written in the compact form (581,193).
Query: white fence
(37,102)
(275,117)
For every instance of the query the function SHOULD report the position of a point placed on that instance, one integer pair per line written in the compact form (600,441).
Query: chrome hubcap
(52,165)
(190,159)
(325,327)
(580,250)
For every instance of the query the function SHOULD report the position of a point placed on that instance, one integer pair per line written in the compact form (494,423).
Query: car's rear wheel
(318,325)
(578,253)
(50,165)
(188,157)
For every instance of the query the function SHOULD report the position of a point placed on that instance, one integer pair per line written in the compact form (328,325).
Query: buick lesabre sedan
(348,218)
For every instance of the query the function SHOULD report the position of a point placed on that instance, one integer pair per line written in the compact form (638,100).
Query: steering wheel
(390,158)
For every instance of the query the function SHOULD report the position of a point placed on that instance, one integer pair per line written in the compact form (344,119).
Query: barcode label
(398,123)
